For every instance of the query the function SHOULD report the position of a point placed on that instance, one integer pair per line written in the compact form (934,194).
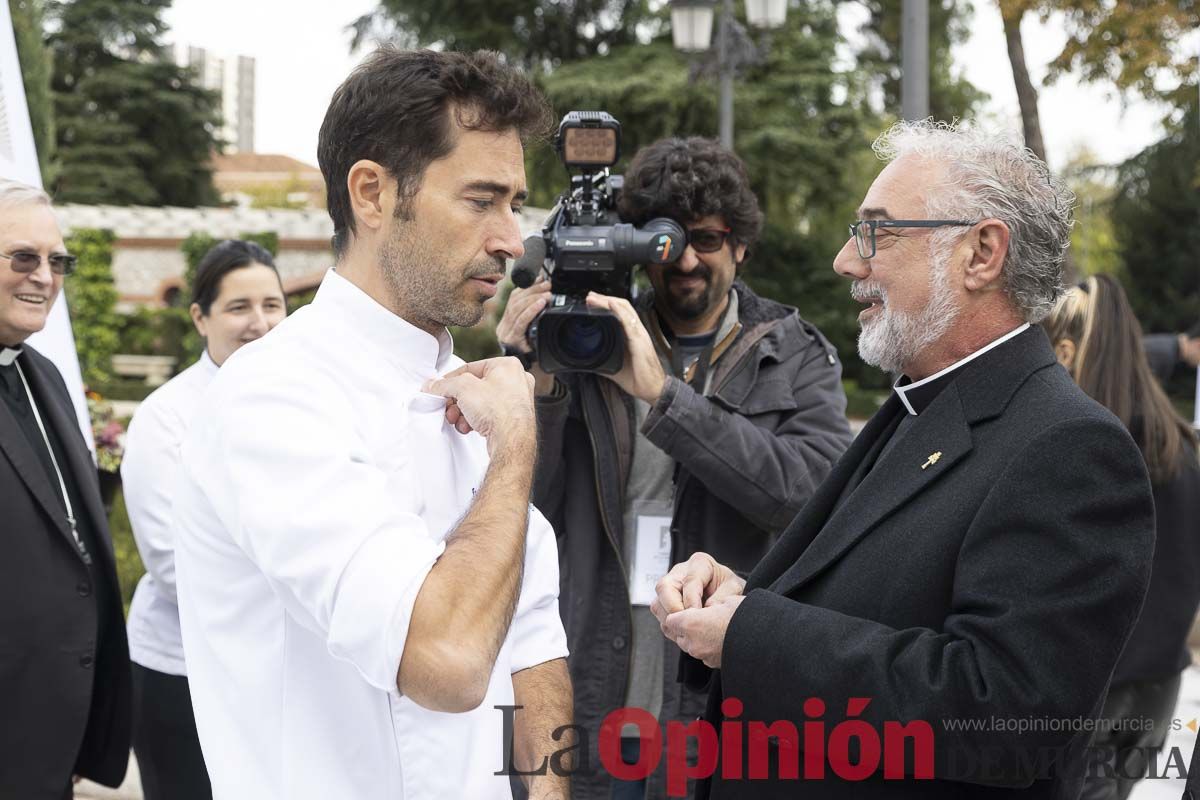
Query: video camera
(586,249)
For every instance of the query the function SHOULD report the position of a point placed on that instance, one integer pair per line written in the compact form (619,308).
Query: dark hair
(1111,366)
(223,258)
(395,107)
(687,179)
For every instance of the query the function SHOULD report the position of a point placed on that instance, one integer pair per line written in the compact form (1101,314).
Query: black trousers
(164,738)
(1127,749)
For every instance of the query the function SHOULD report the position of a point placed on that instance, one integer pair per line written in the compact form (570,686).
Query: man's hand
(513,329)
(697,583)
(493,397)
(642,374)
(523,306)
(1189,350)
(700,632)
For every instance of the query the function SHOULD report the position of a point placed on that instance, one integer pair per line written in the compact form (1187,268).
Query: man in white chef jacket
(361,578)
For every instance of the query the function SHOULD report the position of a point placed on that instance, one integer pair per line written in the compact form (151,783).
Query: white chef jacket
(317,488)
(148,472)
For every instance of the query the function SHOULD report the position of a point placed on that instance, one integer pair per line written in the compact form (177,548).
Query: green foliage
(1155,214)
(92,299)
(129,563)
(269,240)
(795,269)
(1132,45)
(1093,239)
(300,299)
(194,247)
(132,127)
(950,94)
(36,66)
(535,33)
(477,342)
(157,332)
(796,120)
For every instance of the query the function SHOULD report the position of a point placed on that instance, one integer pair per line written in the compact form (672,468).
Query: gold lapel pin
(933,459)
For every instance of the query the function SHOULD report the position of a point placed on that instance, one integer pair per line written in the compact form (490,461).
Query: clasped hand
(694,603)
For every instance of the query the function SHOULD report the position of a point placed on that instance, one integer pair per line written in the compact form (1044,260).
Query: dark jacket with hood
(747,459)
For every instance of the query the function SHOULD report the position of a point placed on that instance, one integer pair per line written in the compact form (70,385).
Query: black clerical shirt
(12,390)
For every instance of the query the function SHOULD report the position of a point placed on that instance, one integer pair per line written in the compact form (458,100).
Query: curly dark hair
(687,179)
(395,109)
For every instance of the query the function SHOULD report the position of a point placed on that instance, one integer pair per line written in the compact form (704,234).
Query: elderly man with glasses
(64,661)
(942,619)
(727,415)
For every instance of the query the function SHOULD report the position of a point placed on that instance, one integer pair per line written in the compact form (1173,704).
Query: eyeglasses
(863,230)
(707,240)
(24,263)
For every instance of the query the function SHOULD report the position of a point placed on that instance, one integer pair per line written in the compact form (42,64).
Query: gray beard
(894,339)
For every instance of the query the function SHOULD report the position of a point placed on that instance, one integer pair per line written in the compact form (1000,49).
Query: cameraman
(727,414)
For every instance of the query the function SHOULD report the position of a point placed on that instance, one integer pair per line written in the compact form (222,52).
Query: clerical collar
(8,355)
(916,396)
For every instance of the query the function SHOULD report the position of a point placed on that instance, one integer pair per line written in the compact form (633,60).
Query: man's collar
(916,396)
(404,344)
(726,332)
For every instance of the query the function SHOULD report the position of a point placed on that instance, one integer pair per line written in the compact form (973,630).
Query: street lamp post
(691,28)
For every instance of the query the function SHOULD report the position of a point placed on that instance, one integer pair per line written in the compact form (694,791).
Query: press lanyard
(62,486)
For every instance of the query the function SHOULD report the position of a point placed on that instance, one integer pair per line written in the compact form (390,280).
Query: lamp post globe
(764,14)
(692,24)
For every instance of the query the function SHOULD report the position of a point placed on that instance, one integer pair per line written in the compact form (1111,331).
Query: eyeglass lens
(706,240)
(28,262)
(864,237)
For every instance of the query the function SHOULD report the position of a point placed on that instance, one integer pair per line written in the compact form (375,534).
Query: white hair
(989,176)
(15,193)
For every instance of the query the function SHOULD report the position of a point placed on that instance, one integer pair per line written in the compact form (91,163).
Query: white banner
(18,161)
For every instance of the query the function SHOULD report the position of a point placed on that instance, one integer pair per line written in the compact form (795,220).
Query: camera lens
(585,341)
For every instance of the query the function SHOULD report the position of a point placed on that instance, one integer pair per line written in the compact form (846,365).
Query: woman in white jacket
(237,298)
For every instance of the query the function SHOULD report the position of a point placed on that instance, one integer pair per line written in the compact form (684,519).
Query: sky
(302,54)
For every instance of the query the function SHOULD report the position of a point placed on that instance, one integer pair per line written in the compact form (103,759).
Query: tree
(535,33)
(796,119)
(133,128)
(92,298)
(36,64)
(1012,13)
(1134,46)
(951,95)
(1093,239)
(1155,213)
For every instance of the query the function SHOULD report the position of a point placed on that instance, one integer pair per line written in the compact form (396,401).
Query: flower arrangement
(107,431)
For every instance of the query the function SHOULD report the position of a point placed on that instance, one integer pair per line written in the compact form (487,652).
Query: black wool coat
(997,583)
(64,697)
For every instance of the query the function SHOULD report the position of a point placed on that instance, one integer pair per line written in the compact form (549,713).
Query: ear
(372,194)
(739,254)
(198,319)
(1064,351)
(989,248)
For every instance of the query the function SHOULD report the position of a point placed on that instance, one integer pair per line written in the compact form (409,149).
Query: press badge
(651,555)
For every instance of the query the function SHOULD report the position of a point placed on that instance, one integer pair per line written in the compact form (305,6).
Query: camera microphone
(527,268)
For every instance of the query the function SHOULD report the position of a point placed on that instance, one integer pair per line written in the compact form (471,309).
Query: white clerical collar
(405,344)
(8,355)
(911,394)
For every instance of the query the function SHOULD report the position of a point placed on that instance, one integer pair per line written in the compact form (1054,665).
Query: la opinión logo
(852,750)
